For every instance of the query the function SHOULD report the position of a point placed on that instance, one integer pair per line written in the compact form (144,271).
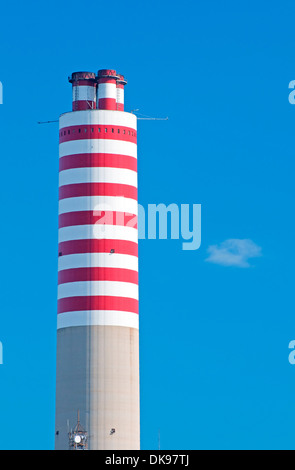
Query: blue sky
(214,336)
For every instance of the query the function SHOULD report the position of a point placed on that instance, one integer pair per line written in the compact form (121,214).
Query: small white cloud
(233,252)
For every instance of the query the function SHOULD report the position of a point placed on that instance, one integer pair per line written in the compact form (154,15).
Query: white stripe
(97,231)
(97,318)
(120,95)
(118,147)
(84,93)
(98,175)
(98,203)
(88,288)
(107,90)
(96,260)
(98,117)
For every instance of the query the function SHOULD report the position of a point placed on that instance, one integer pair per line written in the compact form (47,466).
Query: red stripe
(97,274)
(120,106)
(72,304)
(97,217)
(97,189)
(84,83)
(83,105)
(107,80)
(87,160)
(107,103)
(93,245)
(95,131)
(110,80)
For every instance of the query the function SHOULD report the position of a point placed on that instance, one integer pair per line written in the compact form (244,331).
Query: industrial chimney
(97,322)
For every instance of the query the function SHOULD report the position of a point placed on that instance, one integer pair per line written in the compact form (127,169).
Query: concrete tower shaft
(97,325)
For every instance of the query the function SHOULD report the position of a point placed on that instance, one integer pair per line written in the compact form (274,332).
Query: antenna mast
(143,117)
(140,117)
(78,437)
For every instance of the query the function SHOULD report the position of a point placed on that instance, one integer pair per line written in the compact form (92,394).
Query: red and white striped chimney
(98,298)
(84,90)
(107,89)
(121,82)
